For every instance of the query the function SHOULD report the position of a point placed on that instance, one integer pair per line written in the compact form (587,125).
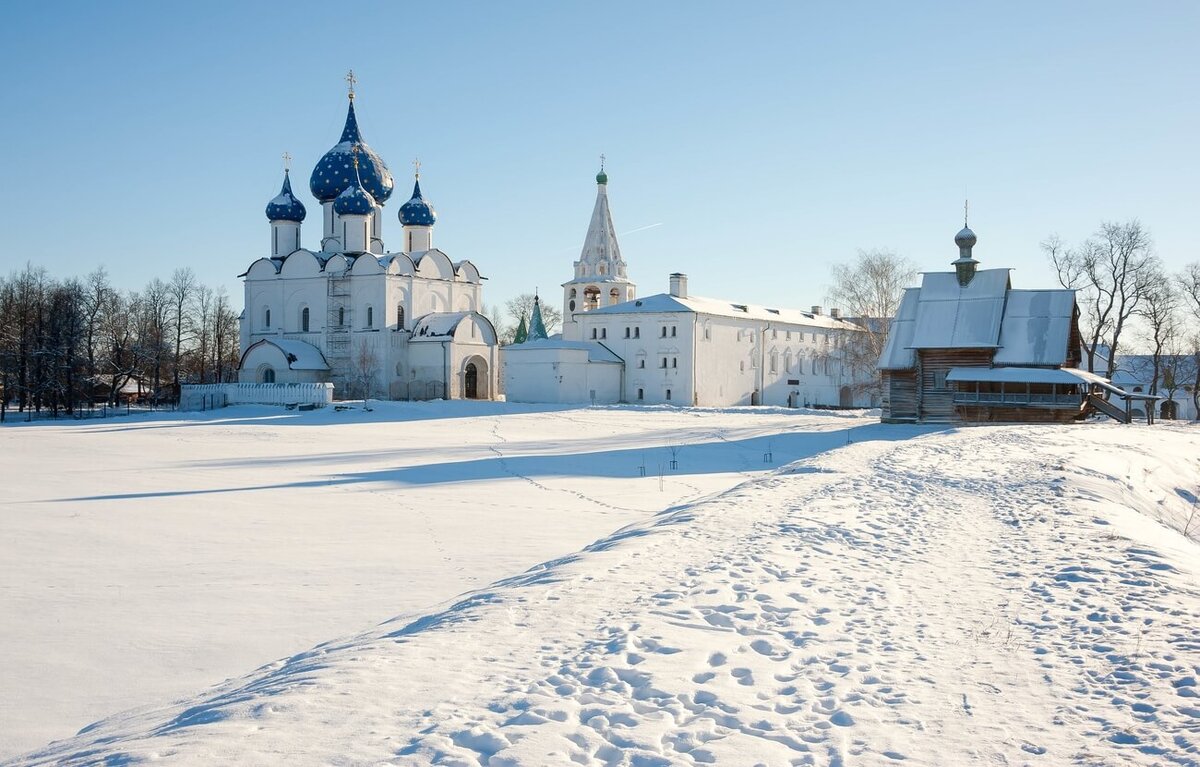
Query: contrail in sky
(622,234)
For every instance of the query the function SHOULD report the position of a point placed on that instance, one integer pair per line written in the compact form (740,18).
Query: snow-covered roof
(1138,369)
(1036,327)
(437,325)
(1024,375)
(299,355)
(898,354)
(951,316)
(664,303)
(1025,327)
(596,352)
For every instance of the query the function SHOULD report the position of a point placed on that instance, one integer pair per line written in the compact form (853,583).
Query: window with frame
(370,316)
(637,332)
(267,317)
(304,320)
(664,363)
(641,394)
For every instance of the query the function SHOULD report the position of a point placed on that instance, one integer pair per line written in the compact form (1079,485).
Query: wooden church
(965,347)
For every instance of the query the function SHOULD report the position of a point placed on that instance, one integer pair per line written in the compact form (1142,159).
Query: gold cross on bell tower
(351,80)
(417,167)
(287,162)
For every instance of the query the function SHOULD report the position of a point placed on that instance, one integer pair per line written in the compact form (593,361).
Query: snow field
(145,558)
(1013,595)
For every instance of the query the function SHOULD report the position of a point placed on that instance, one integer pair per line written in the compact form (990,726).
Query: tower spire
(350,81)
(537,327)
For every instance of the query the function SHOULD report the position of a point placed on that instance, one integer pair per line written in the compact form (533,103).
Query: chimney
(679,285)
(835,313)
(817,310)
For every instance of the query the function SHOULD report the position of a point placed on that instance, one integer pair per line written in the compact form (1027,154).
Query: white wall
(559,375)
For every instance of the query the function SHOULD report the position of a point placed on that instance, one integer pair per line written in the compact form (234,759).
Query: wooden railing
(1017,398)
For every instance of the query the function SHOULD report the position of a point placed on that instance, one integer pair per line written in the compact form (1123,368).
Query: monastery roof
(665,303)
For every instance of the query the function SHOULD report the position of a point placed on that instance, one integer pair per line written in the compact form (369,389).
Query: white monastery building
(675,348)
(399,324)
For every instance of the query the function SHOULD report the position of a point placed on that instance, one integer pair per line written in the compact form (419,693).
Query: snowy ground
(145,558)
(1006,595)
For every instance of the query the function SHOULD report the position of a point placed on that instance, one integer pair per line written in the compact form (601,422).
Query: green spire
(537,328)
(522,334)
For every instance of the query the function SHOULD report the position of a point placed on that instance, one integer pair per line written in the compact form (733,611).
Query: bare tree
(869,292)
(181,290)
(226,342)
(522,306)
(1189,283)
(1111,272)
(366,365)
(1160,311)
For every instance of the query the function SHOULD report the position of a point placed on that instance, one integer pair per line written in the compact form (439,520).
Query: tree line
(1130,303)
(77,342)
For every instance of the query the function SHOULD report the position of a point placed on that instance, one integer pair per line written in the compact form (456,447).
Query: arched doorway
(845,397)
(475,378)
(266,374)
(471,381)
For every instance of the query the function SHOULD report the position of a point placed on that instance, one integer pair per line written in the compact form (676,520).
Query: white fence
(212,396)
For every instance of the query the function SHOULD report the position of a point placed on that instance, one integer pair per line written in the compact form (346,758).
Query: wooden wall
(934,402)
(901,389)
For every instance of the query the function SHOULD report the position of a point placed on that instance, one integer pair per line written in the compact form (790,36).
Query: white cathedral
(400,325)
(673,347)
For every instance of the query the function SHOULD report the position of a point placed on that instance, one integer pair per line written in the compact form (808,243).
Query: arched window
(267,375)
(787,362)
(341,316)
(370,316)
(814,366)
(613,296)
(774,361)
(573,293)
(591,298)
(400,316)
(304,320)
(267,317)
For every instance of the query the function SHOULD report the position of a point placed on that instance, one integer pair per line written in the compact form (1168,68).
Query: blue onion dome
(285,206)
(417,212)
(965,238)
(355,201)
(335,172)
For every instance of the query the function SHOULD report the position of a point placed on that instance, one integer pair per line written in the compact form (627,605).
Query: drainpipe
(695,391)
(445,371)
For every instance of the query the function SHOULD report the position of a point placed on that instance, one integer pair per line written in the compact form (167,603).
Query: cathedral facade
(402,324)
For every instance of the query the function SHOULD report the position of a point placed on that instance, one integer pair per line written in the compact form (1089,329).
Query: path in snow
(144,558)
(988,596)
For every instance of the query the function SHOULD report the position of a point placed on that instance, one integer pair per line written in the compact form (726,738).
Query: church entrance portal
(472,381)
(475,379)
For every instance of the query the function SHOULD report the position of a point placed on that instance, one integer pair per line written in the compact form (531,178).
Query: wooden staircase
(1109,409)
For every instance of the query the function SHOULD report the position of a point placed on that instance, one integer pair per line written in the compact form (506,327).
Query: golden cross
(287,162)
(601,162)
(966,208)
(417,167)
(351,80)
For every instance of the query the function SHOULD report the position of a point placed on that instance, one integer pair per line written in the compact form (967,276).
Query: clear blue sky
(765,141)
